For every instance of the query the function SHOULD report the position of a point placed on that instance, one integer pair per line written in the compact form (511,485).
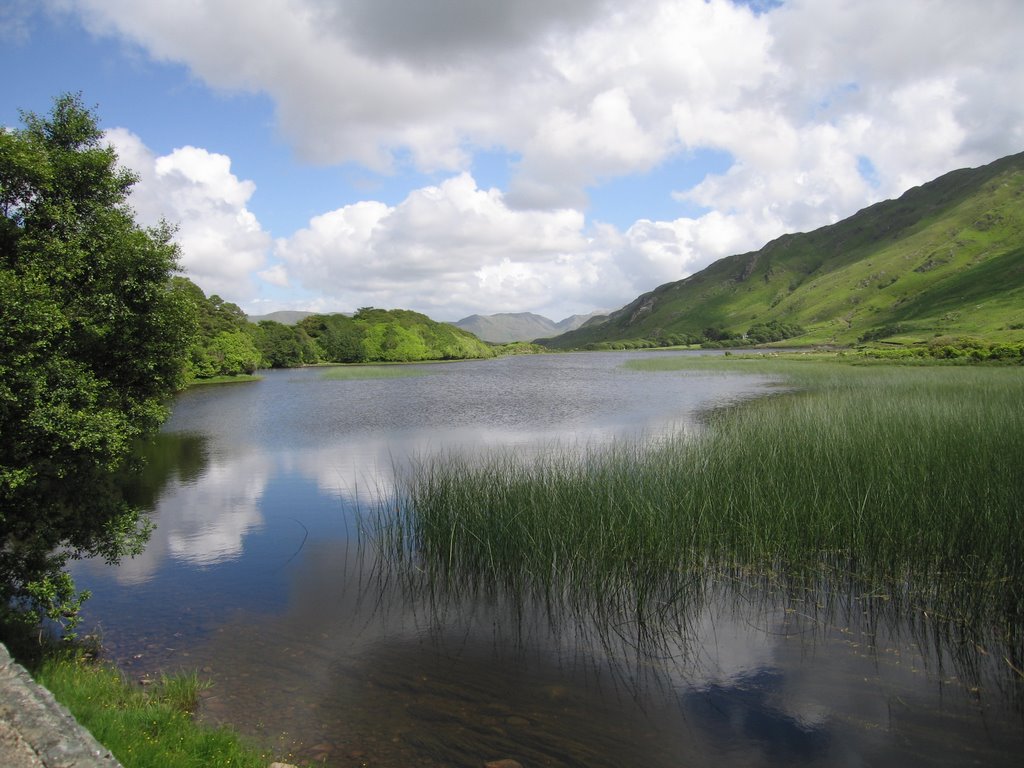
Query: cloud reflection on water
(348,660)
(739,683)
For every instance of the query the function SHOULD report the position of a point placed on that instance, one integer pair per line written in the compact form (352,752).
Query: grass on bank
(224,380)
(905,480)
(361,372)
(150,727)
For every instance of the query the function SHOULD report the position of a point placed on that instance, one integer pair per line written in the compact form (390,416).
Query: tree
(92,341)
(224,343)
(283,346)
(232,353)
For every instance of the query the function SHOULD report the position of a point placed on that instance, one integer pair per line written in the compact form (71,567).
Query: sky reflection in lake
(257,576)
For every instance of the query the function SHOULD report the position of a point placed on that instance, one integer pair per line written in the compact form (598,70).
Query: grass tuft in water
(906,482)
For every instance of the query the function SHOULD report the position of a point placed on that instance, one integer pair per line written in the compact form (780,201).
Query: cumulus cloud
(222,243)
(454,249)
(825,106)
(601,84)
(446,249)
(434,33)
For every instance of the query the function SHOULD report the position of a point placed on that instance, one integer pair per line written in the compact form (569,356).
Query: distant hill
(284,316)
(945,258)
(506,327)
(389,335)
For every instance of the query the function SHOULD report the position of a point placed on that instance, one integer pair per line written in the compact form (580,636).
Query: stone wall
(36,731)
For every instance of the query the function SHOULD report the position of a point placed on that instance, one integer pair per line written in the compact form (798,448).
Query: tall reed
(906,481)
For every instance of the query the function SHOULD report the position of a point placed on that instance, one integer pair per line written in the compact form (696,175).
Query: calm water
(256,576)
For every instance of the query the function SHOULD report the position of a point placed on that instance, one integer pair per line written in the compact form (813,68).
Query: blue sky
(459,157)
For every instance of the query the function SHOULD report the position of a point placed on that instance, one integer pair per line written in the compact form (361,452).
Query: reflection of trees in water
(159,460)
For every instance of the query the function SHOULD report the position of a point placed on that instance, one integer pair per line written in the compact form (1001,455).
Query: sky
(461,157)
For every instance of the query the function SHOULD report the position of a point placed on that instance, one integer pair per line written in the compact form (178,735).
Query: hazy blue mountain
(284,316)
(518,326)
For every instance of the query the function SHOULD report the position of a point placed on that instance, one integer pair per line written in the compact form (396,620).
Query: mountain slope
(506,327)
(944,258)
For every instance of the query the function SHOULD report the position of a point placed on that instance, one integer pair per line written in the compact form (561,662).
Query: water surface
(259,576)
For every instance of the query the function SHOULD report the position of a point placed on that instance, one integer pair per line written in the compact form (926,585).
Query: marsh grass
(901,485)
(144,728)
(361,372)
(237,379)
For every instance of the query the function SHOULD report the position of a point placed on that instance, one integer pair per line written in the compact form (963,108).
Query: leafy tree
(773,330)
(226,342)
(339,338)
(229,353)
(92,341)
(283,346)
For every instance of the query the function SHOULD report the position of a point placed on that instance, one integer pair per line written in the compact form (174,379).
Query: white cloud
(452,250)
(801,97)
(275,275)
(222,243)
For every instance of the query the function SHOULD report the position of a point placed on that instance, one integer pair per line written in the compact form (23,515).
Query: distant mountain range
(945,258)
(284,316)
(498,329)
(506,327)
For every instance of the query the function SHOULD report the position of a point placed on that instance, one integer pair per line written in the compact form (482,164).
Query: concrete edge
(43,724)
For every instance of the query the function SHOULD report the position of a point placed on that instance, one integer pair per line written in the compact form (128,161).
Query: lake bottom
(361,670)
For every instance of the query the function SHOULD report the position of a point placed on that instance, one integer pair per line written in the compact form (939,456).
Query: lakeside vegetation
(901,482)
(151,727)
(228,345)
(905,482)
(360,372)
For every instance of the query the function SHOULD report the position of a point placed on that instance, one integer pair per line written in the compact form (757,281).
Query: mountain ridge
(506,327)
(944,257)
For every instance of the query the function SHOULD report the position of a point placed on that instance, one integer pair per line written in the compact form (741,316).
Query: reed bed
(905,482)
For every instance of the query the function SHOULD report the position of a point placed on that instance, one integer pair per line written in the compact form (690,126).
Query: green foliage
(952,349)
(945,257)
(92,341)
(151,728)
(225,344)
(519,348)
(395,336)
(282,346)
(229,345)
(229,353)
(905,481)
(773,330)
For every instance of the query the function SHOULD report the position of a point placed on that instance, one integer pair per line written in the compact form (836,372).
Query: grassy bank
(906,481)
(144,728)
(223,380)
(361,372)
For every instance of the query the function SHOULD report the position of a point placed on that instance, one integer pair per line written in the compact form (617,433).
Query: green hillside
(396,335)
(945,258)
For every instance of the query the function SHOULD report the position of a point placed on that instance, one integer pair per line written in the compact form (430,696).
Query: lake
(262,575)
